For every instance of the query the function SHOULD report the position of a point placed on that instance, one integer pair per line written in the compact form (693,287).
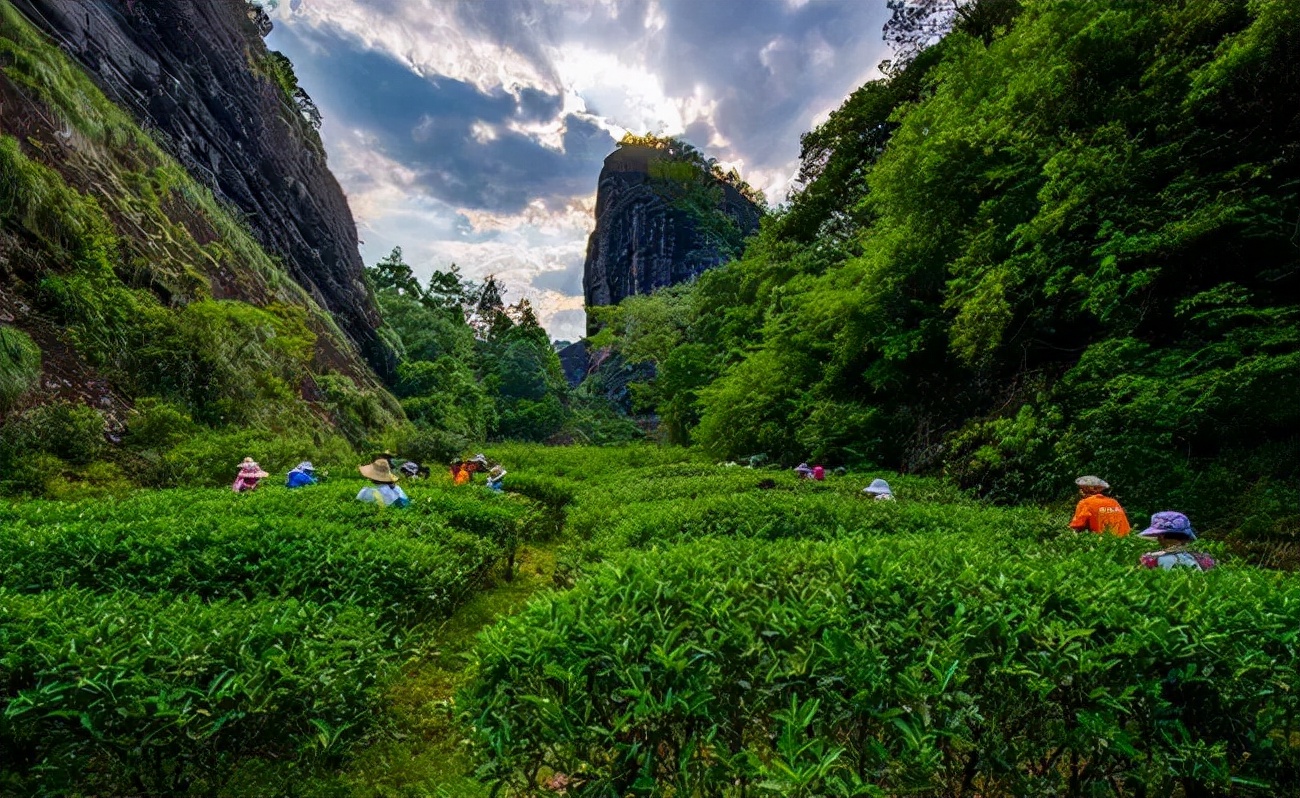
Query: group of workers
(383,474)
(463,471)
(1095,512)
(1099,513)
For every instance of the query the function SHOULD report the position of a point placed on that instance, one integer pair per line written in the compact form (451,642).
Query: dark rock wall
(189,71)
(640,242)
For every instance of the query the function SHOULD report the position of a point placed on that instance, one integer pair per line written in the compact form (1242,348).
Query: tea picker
(383,489)
(301,476)
(1096,512)
(1173,531)
(879,490)
(250,473)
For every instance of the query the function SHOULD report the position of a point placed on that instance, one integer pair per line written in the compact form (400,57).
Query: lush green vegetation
(471,368)
(717,630)
(738,632)
(180,640)
(1061,241)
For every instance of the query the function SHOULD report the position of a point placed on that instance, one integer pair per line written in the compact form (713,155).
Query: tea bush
(161,643)
(160,695)
(311,545)
(919,664)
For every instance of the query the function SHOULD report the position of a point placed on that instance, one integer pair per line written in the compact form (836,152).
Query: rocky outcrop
(575,359)
(642,241)
(197,75)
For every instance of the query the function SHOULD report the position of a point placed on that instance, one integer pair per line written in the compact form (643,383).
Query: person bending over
(1173,531)
(1097,512)
(383,487)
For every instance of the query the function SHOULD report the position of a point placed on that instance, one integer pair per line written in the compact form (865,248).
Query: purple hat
(1169,523)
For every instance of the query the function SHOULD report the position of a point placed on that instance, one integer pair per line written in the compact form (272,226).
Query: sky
(473,131)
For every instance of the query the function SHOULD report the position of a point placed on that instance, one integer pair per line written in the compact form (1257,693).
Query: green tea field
(628,621)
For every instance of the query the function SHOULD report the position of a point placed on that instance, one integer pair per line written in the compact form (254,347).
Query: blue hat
(1169,523)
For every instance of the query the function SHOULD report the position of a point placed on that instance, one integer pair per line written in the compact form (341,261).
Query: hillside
(138,310)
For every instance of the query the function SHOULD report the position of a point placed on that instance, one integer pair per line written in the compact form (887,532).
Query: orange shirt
(1100,514)
(462,476)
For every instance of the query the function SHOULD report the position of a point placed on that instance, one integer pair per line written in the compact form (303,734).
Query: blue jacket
(299,479)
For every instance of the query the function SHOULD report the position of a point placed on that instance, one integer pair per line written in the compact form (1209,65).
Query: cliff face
(196,74)
(126,287)
(642,241)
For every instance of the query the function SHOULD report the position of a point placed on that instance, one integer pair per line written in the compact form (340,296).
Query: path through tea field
(628,621)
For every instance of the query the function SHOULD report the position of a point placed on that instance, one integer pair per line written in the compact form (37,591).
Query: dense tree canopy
(1063,239)
(473,368)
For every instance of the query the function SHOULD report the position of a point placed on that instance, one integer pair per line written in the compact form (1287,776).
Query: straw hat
(1092,482)
(249,469)
(378,471)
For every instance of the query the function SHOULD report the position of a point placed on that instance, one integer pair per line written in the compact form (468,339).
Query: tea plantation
(710,631)
(160,644)
(737,633)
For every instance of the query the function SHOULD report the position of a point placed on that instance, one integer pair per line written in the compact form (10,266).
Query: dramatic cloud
(473,131)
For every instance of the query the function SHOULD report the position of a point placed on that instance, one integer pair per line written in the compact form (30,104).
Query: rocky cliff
(197,76)
(646,237)
(139,313)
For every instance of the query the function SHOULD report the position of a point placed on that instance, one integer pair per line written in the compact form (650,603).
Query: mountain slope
(136,284)
(197,74)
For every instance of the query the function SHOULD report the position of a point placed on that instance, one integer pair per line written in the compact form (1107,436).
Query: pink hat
(249,469)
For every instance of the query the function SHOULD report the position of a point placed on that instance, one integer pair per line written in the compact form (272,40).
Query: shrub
(160,695)
(156,426)
(900,665)
(213,456)
(20,366)
(71,432)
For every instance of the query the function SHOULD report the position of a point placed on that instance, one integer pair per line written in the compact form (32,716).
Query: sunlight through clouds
(473,131)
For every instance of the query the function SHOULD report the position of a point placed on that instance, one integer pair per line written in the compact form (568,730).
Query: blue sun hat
(1169,523)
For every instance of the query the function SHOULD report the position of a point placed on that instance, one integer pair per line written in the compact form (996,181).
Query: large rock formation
(643,241)
(196,74)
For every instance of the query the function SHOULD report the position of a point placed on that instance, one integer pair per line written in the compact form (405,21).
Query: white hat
(878,487)
(1092,482)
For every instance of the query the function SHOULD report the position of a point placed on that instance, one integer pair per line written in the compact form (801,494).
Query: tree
(490,319)
(523,315)
(447,291)
(393,272)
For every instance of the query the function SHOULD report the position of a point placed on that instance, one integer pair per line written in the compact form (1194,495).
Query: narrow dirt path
(424,753)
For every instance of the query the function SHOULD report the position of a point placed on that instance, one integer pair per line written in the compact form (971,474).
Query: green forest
(1060,241)
(1063,238)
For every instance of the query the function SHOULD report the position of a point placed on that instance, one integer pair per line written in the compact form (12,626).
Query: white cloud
(743,77)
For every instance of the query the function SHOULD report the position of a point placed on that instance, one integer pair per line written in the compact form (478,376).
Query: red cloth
(819,473)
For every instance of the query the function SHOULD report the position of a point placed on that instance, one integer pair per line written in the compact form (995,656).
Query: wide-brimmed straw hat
(1092,482)
(1169,524)
(250,469)
(378,471)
